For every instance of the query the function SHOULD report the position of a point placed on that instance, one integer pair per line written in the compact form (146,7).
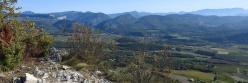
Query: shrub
(86,45)
(18,39)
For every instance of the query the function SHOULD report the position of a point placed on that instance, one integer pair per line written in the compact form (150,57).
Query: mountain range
(213,25)
(222,12)
(205,12)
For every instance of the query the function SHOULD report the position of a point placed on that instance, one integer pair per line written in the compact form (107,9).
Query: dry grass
(208,77)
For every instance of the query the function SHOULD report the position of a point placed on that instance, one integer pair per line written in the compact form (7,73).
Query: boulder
(192,80)
(98,72)
(65,67)
(2,75)
(29,78)
(45,76)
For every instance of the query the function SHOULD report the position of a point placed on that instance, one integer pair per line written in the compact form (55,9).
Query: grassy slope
(206,77)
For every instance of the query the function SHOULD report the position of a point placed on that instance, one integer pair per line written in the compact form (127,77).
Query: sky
(117,6)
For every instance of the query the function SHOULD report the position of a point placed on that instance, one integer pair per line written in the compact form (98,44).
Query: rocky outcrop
(29,78)
(55,55)
(49,71)
(52,72)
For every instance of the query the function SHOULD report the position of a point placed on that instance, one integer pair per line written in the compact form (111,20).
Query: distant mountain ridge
(136,14)
(204,12)
(222,12)
(88,18)
(207,26)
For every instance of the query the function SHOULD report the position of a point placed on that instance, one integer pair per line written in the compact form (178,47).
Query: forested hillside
(209,28)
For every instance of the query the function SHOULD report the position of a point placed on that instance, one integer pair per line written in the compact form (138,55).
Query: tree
(163,60)
(140,72)
(86,45)
(143,72)
(12,48)
(16,37)
(37,41)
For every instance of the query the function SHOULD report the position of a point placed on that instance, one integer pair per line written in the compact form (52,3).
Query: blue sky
(116,6)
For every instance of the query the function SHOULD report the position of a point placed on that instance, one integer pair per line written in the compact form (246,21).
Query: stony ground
(49,72)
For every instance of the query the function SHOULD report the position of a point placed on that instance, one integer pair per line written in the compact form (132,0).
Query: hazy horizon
(114,6)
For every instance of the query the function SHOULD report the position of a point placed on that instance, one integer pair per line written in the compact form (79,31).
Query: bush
(18,39)
(37,43)
(86,45)
(11,37)
(119,75)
